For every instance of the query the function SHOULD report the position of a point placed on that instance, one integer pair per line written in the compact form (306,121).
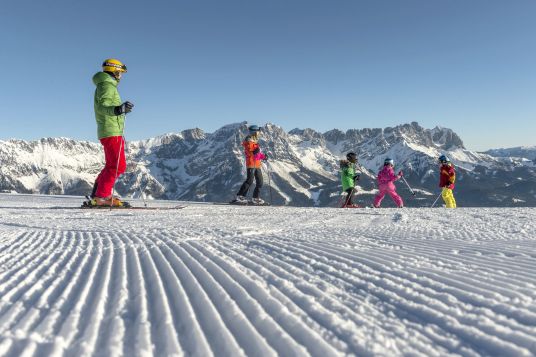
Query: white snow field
(262,281)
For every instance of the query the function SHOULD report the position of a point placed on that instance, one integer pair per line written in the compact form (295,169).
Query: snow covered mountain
(303,166)
(527,152)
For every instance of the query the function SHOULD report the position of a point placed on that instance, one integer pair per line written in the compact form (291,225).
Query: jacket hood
(101,77)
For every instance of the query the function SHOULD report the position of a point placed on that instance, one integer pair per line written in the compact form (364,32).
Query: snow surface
(230,281)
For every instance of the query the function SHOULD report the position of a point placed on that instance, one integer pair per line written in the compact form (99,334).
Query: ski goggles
(121,67)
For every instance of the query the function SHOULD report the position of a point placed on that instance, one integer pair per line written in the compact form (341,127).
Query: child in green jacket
(348,178)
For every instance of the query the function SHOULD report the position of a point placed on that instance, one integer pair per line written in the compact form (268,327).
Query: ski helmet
(254,128)
(113,65)
(351,156)
(443,159)
(389,161)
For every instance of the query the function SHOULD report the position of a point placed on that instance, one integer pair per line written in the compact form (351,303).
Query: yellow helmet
(113,65)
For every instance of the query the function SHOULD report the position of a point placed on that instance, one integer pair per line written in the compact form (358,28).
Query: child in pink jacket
(386,179)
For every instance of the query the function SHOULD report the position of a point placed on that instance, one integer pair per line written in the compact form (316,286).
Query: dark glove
(256,151)
(265,158)
(356,177)
(400,173)
(124,108)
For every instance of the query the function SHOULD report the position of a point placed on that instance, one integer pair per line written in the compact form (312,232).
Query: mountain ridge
(200,166)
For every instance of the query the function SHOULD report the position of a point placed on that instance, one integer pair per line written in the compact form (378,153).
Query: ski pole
(269,182)
(407,184)
(339,202)
(117,166)
(433,204)
(143,196)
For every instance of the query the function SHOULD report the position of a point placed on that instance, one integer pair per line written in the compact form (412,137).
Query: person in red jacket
(254,156)
(447,177)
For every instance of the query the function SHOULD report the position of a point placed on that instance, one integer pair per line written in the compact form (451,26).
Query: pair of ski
(245,203)
(127,206)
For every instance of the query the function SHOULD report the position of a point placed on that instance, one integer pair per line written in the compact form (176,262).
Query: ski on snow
(248,203)
(128,206)
(132,208)
(236,203)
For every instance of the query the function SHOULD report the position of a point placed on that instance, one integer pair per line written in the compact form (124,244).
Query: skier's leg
(348,199)
(445,195)
(95,185)
(245,186)
(396,197)
(448,197)
(107,176)
(379,197)
(108,171)
(258,183)
(99,176)
(122,167)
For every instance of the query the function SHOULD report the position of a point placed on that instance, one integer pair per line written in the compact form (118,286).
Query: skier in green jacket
(110,117)
(348,178)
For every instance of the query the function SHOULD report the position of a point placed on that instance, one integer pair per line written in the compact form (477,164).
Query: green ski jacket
(106,99)
(347,174)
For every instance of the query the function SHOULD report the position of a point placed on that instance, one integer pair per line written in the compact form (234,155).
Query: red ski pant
(114,154)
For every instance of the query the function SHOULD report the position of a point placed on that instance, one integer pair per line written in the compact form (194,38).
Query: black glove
(356,177)
(256,151)
(265,158)
(124,108)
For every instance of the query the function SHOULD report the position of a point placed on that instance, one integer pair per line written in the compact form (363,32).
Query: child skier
(254,156)
(447,177)
(348,178)
(386,179)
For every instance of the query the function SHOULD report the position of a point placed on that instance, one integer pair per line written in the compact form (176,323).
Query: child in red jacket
(447,177)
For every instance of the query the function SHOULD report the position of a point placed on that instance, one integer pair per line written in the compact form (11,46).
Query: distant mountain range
(303,166)
(528,152)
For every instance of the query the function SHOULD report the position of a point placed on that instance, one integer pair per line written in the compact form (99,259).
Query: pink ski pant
(390,190)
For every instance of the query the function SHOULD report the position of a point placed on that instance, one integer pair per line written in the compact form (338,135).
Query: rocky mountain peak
(193,135)
(446,138)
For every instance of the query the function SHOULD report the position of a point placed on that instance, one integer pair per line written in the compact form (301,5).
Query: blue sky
(466,65)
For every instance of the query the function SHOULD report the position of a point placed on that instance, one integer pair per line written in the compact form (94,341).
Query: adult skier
(254,156)
(386,183)
(447,177)
(348,179)
(110,117)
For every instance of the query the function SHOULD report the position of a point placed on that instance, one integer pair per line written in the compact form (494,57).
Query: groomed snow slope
(230,281)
